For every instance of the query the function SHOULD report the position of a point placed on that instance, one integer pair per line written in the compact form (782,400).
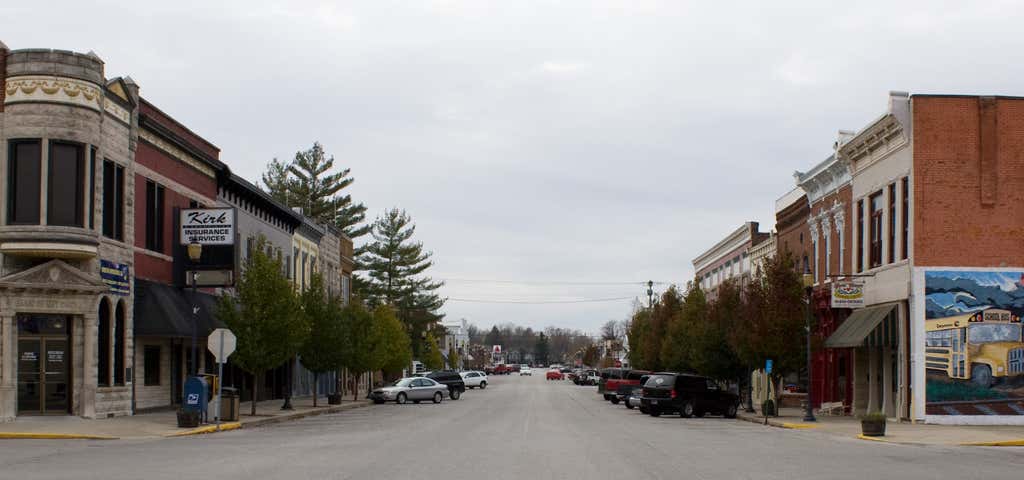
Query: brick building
(729,259)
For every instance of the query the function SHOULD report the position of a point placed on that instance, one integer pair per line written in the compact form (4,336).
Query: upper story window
(876,206)
(65,199)
(113,200)
(905,217)
(23,180)
(860,236)
(154,216)
(892,223)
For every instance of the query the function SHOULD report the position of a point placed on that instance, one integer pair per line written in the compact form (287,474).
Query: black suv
(450,379)
(687,395)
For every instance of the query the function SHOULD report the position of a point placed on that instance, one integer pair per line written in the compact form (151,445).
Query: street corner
(206,429)
(52,436)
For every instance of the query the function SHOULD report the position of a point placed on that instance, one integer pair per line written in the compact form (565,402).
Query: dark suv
(450,379)
(687,395)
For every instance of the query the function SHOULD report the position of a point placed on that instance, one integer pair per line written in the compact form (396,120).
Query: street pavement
(518,428)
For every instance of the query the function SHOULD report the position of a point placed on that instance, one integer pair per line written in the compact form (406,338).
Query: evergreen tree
(265,315)
(541,349)
(276,181)
(320,352)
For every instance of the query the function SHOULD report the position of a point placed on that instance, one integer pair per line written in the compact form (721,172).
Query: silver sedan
(410,389)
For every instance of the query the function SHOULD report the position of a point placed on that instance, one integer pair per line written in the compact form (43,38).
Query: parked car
(626,388)
(620,377)
(451,379)
(525,371)
(513,368)
(608,374)
(555,374)
(687,395)
(414,389)
(593,377)
(633,397)
(474,379)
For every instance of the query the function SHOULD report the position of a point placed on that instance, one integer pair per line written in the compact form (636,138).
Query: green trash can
(229,404)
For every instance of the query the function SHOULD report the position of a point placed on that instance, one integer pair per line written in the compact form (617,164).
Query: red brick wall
(148,266)
(843,196)
(791,226)
(952,226)
(154,159)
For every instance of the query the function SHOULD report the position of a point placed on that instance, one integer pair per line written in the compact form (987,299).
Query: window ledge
(48,241)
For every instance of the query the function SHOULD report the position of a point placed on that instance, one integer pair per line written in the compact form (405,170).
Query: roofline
(142,100)
(154,126)
(245,185)
(722,242)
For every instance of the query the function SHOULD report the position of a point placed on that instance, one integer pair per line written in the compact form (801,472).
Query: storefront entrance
(44,364)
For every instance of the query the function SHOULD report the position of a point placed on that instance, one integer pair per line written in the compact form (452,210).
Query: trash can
(229,404)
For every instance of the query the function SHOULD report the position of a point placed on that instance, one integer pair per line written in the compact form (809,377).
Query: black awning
(166,311)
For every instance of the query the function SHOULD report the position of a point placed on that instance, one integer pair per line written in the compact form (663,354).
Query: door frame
(69,363)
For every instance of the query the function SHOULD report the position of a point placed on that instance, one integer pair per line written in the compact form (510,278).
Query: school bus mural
(983,346)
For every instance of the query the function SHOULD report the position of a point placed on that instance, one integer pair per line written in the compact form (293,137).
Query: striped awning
(870,326)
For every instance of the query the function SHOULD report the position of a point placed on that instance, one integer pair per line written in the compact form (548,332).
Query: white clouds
(562,68)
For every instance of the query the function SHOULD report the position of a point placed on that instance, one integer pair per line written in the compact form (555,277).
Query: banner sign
(847,294)
(208,226)
(115,275)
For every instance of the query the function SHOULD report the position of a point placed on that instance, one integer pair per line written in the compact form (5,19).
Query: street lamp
(650,294)
(195,252)
(808,281)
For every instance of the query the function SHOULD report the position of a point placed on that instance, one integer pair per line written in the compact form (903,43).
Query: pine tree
(541,350)
(320,353)
(276,181)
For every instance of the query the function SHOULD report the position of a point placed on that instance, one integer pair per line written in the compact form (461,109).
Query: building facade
(793,236)
(729,259)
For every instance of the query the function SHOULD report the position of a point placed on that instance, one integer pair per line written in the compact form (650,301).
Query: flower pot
(188,418)
(334,399)
(872,428)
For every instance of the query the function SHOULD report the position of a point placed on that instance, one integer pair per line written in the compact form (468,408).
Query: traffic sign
(221,343)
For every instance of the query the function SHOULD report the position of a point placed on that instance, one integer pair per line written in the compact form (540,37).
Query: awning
(166,311)
(860,324)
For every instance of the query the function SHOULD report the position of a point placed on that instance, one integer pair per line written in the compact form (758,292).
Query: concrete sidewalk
(898,432)
(163,423)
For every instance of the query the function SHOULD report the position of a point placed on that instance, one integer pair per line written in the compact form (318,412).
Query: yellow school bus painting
(983,346)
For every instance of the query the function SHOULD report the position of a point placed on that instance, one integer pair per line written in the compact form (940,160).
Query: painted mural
(974,351)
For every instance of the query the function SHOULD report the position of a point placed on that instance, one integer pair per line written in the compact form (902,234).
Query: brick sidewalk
(162,423)
(899,432)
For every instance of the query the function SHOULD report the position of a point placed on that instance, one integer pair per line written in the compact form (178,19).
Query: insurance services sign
(847,295)
(208,226)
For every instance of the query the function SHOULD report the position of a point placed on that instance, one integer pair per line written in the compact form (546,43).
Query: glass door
(55,376)
(29,373)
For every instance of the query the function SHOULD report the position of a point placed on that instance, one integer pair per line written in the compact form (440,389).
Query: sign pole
(220,377)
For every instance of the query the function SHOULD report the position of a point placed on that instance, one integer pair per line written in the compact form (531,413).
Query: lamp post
(808,281)
(195,252)
(650,294)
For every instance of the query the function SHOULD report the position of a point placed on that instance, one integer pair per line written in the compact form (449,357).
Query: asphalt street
(518,428)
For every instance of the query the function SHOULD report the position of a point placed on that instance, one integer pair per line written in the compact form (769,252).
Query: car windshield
(401,383)
(994,332)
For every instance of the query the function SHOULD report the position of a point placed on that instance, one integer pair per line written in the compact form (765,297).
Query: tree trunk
(316,385)
(355,394)
(255,393)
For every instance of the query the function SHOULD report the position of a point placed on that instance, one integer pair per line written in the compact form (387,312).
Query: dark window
(154,216)
(67,179)
(906,218)
(119,343)
(113,200)
(892,223)
(151,364)
(24,170)
(875,213)
(103,345)
(860,235)
(92,188)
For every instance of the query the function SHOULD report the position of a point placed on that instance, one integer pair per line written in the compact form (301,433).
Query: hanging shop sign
(207,226)
(847,294)
(115,275)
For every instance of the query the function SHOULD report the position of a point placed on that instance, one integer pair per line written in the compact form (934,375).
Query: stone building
(66,222)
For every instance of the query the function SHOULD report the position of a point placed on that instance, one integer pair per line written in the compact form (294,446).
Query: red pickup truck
(616,380)
(502,369)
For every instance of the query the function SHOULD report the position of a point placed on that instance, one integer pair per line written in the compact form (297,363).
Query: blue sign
(768,366)
(115,275)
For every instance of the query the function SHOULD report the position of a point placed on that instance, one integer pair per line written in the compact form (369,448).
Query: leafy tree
(678,351)
(432,358)
(711,354)
(591,357)
(637,335)
(395,265)
(454,358)
(320,353)
(541,349)
(776,328)
(493,337)
(359,350)
(264,314)
(393,350)
(660,318)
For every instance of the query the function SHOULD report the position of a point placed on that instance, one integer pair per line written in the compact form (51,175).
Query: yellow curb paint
(873,439)
(206,429)
(1002,443)
(53,436)
(799,426)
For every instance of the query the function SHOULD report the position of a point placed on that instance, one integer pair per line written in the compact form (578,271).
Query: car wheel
(654,412)
(687,410)
(730,412)
(438,397)
(401,398)
(483,385)
(455,394)
(629,405)
(643,409)
(378,401)
(614,400)
(699,413)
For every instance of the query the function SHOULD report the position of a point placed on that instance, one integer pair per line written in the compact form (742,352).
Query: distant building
(728,259)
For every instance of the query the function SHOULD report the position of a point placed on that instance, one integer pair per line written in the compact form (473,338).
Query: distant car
(554,374)
(474,379)
(451,379)
(565,369)
(525,371)
(593,377)
(687,395)
(634,396)
(410,389)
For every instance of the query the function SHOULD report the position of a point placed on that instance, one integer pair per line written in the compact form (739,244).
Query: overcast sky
(542,141)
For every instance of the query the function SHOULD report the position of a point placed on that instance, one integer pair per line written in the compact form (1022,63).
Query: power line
(541,302)
(528,282)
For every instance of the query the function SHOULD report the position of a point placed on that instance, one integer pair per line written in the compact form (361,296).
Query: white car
(525,371)
(474,379)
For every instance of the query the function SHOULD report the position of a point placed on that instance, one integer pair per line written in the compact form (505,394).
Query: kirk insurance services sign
(208,226)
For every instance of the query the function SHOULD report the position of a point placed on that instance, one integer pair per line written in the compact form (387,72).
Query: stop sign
(221,342)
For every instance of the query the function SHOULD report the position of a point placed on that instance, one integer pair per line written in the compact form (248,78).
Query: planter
(873,428)
(334,399)
(188,418)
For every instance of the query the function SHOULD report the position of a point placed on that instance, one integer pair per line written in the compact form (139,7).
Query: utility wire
(541,302)
(527,282)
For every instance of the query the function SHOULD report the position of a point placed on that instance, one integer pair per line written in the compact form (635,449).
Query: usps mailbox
(196,393)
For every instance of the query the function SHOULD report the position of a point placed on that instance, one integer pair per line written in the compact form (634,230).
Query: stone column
(8,387)
(812,225)
(887,394)
(839,218)
(872,379)
(89,358)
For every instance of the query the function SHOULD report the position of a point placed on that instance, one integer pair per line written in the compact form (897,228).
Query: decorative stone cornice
(812,225)
(823,179)
(53,89)
(173,151)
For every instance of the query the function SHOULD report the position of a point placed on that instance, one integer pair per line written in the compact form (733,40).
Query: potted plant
(188,418)
(872,424)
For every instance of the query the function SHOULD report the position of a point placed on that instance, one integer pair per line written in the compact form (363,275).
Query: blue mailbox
(196,393)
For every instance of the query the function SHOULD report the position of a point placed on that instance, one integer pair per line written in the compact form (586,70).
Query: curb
(1002,443)
(311,413)
(206,429)
(53,436)
(776,423)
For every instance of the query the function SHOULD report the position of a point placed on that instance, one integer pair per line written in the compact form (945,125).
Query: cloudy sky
(573,147)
